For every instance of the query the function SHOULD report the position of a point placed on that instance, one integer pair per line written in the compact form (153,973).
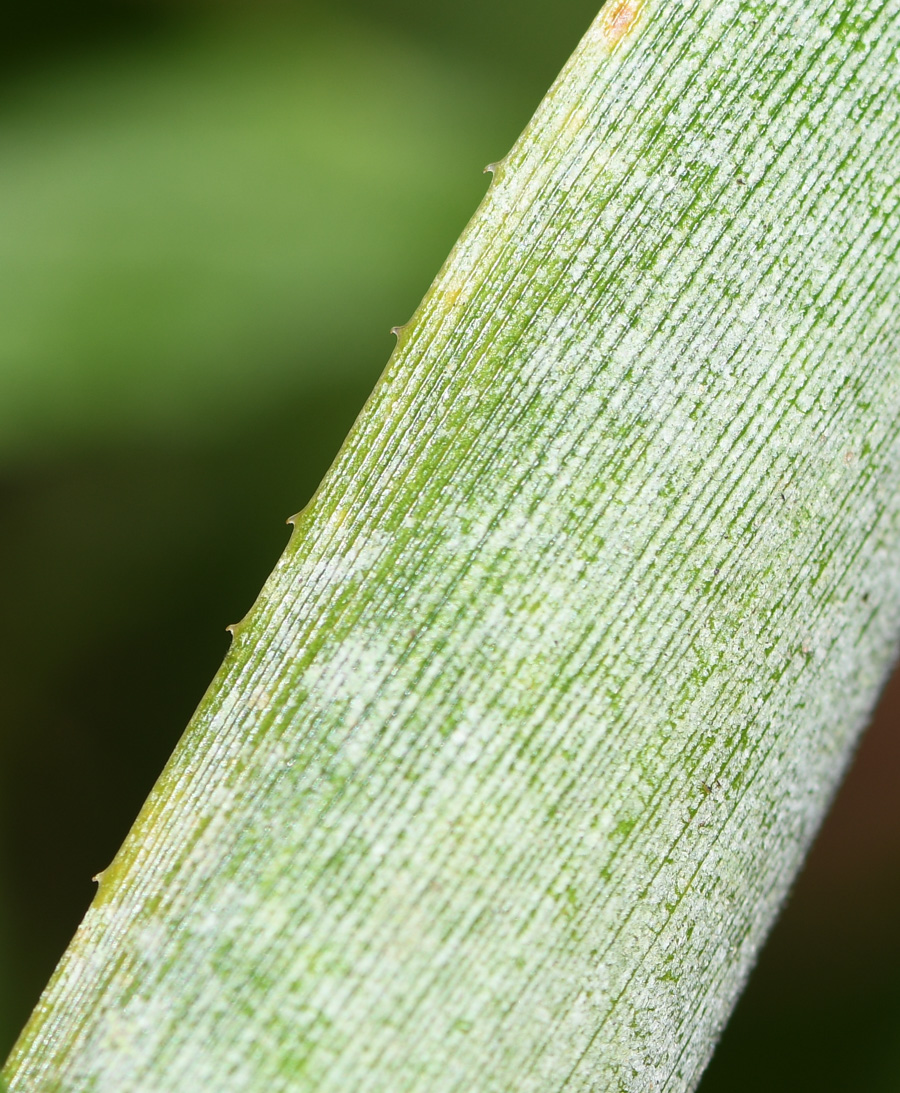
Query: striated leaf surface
(516,754)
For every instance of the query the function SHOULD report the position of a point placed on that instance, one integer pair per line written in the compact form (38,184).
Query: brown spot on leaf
(618,18)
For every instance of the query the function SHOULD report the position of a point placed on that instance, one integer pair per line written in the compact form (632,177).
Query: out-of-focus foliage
(194,231)
(210,215)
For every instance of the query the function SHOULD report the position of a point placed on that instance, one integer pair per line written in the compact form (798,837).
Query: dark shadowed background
(210,216)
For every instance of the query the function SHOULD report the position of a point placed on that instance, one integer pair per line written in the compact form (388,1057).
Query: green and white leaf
(514,758)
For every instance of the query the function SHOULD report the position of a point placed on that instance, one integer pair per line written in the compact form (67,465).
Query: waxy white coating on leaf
(515,756)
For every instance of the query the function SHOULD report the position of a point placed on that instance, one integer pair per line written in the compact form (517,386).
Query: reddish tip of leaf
(618,19)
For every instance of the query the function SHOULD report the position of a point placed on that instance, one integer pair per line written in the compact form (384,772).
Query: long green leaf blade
(514,758)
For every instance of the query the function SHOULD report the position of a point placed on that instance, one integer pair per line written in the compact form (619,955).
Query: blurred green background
(210,216)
